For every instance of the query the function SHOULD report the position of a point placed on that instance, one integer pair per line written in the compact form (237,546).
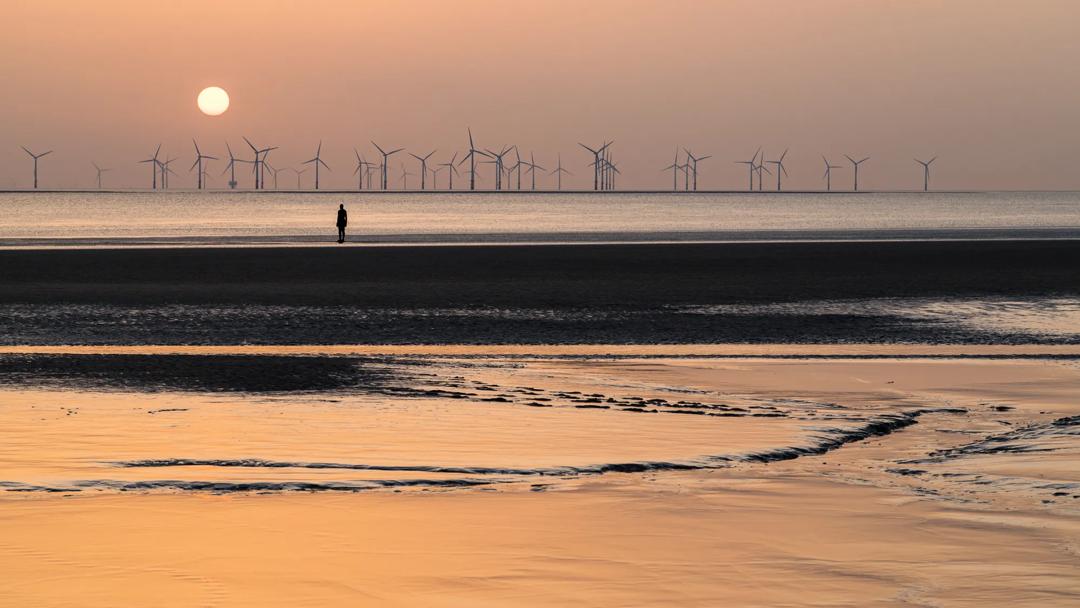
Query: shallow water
(94,424)
(1036,320)
(78,218)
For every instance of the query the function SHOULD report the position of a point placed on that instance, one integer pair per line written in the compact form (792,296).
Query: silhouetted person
(342,221)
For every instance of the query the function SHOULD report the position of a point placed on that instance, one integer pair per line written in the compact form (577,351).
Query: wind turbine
(856,163)
(153,164)
(451,168)
(273,172)
(597,165)
(612,170)
(423,167)
(751,165)
(35,157)
(385,160)
(404,177)
(317,161)
(694,161)
(674,168)
(533,167)
(361,170)
(435,177)
(254,163)
(516,166)
(498,165)
(828,173)
(779,168)
(926,172)
(99,172)
(257,163)
(558,171)
(199,156)
(367,173)
(761,167)
(298,174)
(165,171)
(231,167)
(471,157)
(607,176)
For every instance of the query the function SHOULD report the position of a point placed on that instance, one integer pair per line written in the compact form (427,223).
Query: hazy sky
(991,86)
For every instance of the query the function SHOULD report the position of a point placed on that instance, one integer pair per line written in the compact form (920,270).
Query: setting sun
(213,101)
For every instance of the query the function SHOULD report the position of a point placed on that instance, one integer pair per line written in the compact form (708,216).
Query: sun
(213,101)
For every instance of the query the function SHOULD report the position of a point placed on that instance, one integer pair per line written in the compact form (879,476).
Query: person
(342,221)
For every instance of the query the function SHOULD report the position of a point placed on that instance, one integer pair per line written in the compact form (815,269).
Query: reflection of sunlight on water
(1038,316)
(1050,316)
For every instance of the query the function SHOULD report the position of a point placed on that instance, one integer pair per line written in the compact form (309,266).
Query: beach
(482,304)
(797,423)
(777,292)
(852,482)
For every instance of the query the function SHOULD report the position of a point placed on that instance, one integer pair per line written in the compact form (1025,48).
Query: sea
(278,218)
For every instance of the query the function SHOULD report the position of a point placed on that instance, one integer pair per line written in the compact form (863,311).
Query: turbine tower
(596,164)
(423,168)
(385,160)
(751,165)
(674,168)
(165,171)
(404,177)
(498,161)
(558,171)
(856,163)
(273,172)
(231,167)
(154,162)
(828,173)
(35,157)
(361,170)
(199,156)
(693,164)
(926,172)
(451,168)
(317,161)
(780,168)
(99,172)
(471,157)
(260,157)
(759,168)
(533,167)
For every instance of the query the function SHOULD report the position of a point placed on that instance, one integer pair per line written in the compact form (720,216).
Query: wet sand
(973,501)
(557,276)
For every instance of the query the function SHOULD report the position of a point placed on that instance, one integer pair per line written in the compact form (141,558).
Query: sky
(990,87)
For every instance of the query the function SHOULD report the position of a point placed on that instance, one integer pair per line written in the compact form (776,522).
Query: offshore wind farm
(501,177)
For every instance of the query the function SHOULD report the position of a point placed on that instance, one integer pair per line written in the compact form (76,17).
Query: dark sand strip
(620,276)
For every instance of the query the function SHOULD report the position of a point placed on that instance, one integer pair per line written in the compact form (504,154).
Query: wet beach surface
(1008,292)
(877,482)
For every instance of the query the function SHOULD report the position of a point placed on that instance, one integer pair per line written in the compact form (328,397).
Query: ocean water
(194,218)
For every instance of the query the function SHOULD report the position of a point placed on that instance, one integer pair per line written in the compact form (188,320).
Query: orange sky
(991,87)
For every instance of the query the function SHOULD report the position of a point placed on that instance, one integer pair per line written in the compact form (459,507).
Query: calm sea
(192,218)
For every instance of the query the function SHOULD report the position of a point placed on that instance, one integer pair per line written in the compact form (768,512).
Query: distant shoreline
(484,239)
(524,192)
